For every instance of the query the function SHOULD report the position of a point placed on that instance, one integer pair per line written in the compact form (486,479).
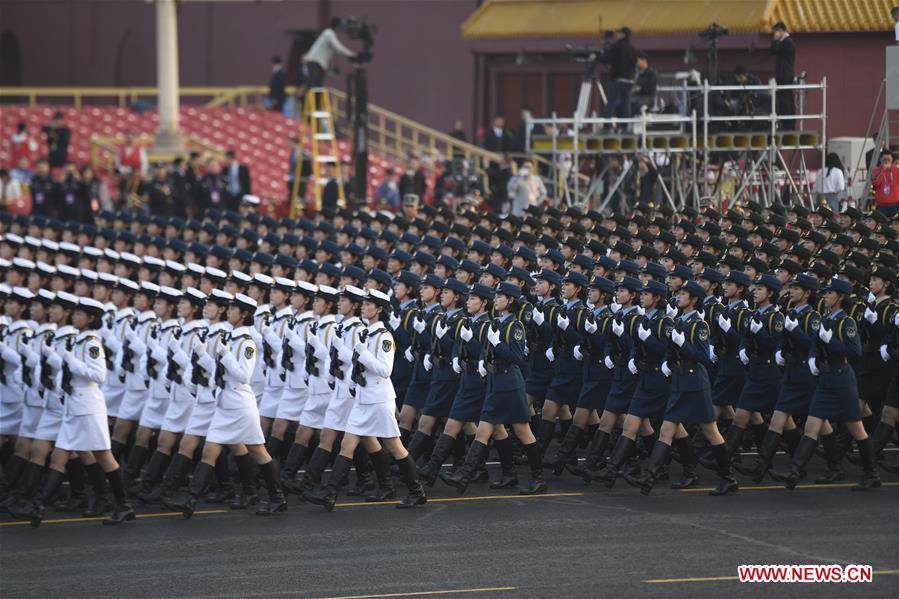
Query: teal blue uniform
(540,337)
(566,382)
(836,391)
(731,374)
(444,380)
(402,336)
(763,376)
(618,349)
(469,400)
(597,378)
(652,391)
(505,401)
(798,383)
(690,401)
(711,308)
(420,384)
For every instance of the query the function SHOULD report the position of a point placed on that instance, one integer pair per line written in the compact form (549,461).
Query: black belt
(498,369)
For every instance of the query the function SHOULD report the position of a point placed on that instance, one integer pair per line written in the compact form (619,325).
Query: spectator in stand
(498,177)
(885,180)
(525,189)
(527,128)
(131,163)
(46,193)
(159,197)
(622,59)
(75,204)
(277,85)
(213,191)
(647,180)
(322,51)
(831,182)
(58,136)
(784,50)
(331,191)
(22,146)
(182,196)
(23,172)
(645,86)
(237,180)
(349,185)
(458,131)
(12,199)
(497,139)
(388,194)
(194,175)
(95,191)
(413,179)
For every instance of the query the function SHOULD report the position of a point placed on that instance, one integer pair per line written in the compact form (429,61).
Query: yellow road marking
(783,488)
(451,499)
(99,518)
(718,578)
(426,593)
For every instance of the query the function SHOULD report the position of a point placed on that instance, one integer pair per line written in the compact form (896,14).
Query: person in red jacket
(885,180)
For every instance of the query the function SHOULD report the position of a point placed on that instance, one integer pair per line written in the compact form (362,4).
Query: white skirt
(200,417)
(231,427)
(10,416)
(315,408)
(31,418)
(154,412)
(339,408)
(374,420)
(292,404)
(89,432)
(48,429)
(133,404)
(114,395)
(271,397)
(178,412)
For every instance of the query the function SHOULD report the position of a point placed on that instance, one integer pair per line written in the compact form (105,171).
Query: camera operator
(784,50)
(622,60)
(646,84)
(322,51)
(57,135)
(748,102)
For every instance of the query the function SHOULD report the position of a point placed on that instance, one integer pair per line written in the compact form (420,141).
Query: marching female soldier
(84,427)
(272,346)
(236,421)
(690,401)
(405,295)
(543,318)
(12,393)
(373,414)
(732,322)
(113,335)
(836,390)
(505,401)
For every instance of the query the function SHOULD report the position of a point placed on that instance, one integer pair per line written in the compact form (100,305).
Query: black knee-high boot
(624,449)
(223,490)
(871,480)
(380,461)
(421,445)
(758,434)
(364,480)
(34,510)
(27,482)
(123,510)
(660,456)
(313,475)
(13,469)
(804,451)
(588,434)
(276,501)
(462,476)
(834,457)
(547,431)
(246,471)
(98,503)
(726,482)
(77,499)
(767,449)
(152,476)
(734,440)
(509,477)
(444,447)
(118,449)
(791,439)
(186,502)
(538,485)
(569,445)
(405,435)
(327,496)
(274,446)
(175,476)
(415,494)
(881,436)
(688,460)
(136,458)
(294,460)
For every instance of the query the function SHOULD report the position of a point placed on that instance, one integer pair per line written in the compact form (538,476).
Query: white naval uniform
(236,417)
(177,414)
(160,392)
(204,407)
(84,423)
(295,392)
(136,382)
(262,315)
(342,399)
(34,398)
(51,418)
(374,412)
(12,394)
(113,337)
(273,335)
(319,386)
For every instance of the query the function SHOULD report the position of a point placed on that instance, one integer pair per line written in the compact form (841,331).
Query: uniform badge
(778,325)
(386,345)
(248,352)
(850,332)
(519,335)
(816,325)
(703,333)
(94,352)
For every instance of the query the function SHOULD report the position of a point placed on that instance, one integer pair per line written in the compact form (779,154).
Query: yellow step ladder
(318,121)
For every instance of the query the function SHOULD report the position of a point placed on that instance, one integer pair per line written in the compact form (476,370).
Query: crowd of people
(232,356)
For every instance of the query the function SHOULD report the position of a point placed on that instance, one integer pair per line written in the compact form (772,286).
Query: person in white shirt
(831,182)
(895,14)
(322,51)
(525,189)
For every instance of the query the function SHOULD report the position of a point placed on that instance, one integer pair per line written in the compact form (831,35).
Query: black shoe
(182,502)
(871,480)
(97,505)
(566,450)
(726,482)
(245,500)
(831,476)
(415,497)
(33,511)
(460,478)
(152,495)
(538,484)
(415,494)
(382,494)
(326,497)
(276,503)
(75,502)
(688,479)
(123,512)
(364,484)
(725,486)
(221,495)
(508,480)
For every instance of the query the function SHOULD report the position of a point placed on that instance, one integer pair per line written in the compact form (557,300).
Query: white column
(168,138)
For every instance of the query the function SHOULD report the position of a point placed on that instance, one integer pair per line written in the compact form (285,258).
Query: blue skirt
(760,390)
(647,403)
(564,393)
(505,407)
(469,401)
(836,396)
(593,394)
(620,396)
(727,389)
(417,394)
(538,381)
(794,398)
(440,398)
(690,407)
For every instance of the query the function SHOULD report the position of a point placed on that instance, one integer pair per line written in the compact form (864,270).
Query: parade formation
(239,359)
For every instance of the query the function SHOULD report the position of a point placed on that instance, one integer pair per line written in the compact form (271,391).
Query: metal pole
(705,136)
(168,139)
(772,146)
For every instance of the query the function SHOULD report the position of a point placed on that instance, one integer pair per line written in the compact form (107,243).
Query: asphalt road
(578,541)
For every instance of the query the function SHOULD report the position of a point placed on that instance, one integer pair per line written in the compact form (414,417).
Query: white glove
(481,370)
(641,310)
(632,366)
(870,315)
(813,366)
(577,353)
(465,333)
(790,323)
(537,317)
(670,310)
(825,334)
(723,323)
(590,326)
(615,307)
(418,324)
(493,336)
(562,321)
(427,362)
(617,328)
(678,337)
(779,358)
(884,353)
(643,332)
(712,355)
(408,355)
(440,330)
(755,326)
(665,370)
(896,320)
(395,321)
(701,314)
(550,355)
(744,357)
(871,297)
(457,368)
(609,363)
(359,347)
